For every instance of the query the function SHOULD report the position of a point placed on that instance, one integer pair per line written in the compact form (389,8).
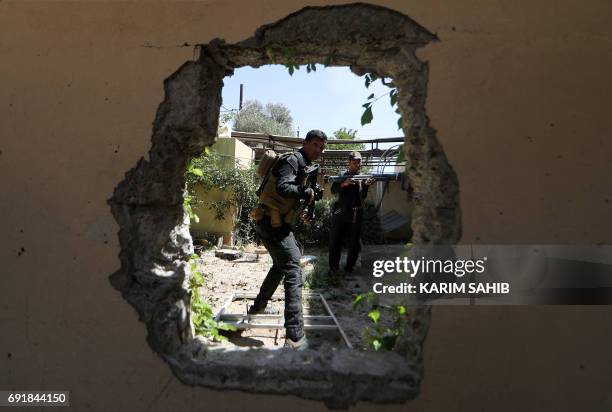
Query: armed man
(288,188)
(347,216)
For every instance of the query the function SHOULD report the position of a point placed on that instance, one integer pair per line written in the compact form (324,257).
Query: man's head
(354,162)
(314,144)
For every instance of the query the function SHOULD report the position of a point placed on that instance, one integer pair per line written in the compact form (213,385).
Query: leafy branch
(202,313)
(208,171)
(388,321)
(368,115)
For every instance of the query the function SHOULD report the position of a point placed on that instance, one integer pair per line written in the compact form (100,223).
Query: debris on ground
(245,275)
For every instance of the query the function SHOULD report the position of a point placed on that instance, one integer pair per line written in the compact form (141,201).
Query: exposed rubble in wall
(154,228)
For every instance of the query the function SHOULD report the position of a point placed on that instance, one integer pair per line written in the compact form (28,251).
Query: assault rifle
(384,177)
(307,209)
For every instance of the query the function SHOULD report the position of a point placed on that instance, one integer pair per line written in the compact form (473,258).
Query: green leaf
(367,116)
(374,315)
(314,67)
(370,97)
(401,310)
(358,300)
(308,68)
(393,97)
(197,172)
(376,344)
(366,105)
(291,70)
(399,123)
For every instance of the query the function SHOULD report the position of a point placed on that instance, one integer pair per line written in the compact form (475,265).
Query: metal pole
(241,94)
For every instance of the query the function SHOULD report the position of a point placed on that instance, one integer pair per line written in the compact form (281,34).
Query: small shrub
(211,171)
(202,313)
(388,321)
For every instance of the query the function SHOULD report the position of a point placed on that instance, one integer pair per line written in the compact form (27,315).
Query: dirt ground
(245,275)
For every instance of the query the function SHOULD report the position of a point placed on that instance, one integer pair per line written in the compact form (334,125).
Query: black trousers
(346,225)
(283,249)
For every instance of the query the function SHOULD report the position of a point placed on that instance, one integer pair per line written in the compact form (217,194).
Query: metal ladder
(265,321)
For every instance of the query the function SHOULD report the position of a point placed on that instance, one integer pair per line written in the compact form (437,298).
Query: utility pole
(241,94)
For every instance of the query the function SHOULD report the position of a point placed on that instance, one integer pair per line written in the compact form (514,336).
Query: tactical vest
(280,209)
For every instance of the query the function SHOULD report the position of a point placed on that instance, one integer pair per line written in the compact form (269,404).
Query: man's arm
(286,175)
(338,185)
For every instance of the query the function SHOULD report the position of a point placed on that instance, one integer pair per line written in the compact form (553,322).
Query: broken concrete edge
(339,378)
(154,227)
(420,36)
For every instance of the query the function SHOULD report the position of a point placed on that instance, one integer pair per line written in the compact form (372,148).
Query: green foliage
(388,321)
(202,314)
(187,203)
(288,57)
(346,134)
(368,115)
(274,118)
(226,117)
(210,170)
(349,135)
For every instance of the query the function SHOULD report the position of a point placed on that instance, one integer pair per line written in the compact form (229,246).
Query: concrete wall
(519,93)
(231,151)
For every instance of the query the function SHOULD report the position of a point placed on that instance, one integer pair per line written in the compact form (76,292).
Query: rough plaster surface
(154,228)
(80,86)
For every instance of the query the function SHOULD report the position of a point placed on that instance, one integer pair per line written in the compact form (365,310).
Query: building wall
(232,151)
(518,91)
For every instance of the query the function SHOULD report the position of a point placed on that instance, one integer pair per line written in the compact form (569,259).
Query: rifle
(384,177)
(307,209)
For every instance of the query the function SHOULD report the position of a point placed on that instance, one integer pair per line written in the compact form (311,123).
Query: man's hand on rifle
(369,181)
(311,195)
(348,182)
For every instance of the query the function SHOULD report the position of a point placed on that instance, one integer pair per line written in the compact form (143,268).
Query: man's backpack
(266,164)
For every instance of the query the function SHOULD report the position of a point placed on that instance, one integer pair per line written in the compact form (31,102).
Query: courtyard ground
(245,275)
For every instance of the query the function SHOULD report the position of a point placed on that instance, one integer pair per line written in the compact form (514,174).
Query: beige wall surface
(518,91)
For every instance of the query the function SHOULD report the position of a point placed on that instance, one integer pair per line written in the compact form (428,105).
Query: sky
(326,99)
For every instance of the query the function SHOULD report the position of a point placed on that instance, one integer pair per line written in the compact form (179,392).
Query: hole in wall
(282,104)
(154,227)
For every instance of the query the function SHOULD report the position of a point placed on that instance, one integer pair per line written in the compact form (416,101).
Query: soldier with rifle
(287,193)
(347,213)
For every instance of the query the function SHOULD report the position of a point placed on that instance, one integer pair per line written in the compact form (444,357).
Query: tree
(347,134)
(340,164)
(274,118)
